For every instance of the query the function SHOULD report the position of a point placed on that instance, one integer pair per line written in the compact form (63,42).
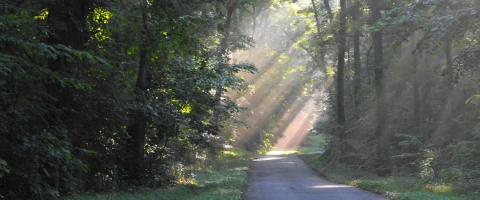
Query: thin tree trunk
(320,36)
(448,55)
(326,3)
(449,72)
(341,63)
(317,17)
(383,150)
(441,133)
(356,54)
(416,96)
(323,62)
(341,45)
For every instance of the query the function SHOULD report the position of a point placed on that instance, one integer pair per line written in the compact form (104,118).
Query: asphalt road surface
(278,177)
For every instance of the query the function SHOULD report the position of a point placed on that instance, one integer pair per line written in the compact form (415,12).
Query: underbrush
(313,144)
(225,179)
(393,187)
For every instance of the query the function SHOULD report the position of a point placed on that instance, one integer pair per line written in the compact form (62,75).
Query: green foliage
(68,90)
(314,143)
(396,188)
(462,171)
(265,143)
(226,180)
(430,54)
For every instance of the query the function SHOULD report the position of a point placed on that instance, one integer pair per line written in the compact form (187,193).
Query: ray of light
(297,129)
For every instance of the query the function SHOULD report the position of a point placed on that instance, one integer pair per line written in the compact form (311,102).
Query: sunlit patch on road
(268,159)
(330,186)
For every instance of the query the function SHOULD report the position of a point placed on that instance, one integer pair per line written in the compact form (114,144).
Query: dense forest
(103,95)
(406,100)
(100,95)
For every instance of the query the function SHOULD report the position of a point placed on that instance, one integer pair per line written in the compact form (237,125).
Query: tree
(103,95)
(137,127)
(320,37)
(356,52)
(340,39)
(225,30)
(383,149)
(341,42)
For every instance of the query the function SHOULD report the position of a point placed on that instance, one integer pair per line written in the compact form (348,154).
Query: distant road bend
(280,177)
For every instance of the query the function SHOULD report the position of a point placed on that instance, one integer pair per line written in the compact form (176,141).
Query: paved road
(276,177)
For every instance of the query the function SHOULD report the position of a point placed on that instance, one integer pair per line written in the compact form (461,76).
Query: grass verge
(395,188)
(313,144)
(226,181)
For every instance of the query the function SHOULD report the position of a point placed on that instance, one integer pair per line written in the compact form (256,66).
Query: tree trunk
(320,37)
(356,54)
(137,127)
(449,68)
(382,149)
(317,17)
(416,96)
(341,40)
(341,45)
(326,3)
